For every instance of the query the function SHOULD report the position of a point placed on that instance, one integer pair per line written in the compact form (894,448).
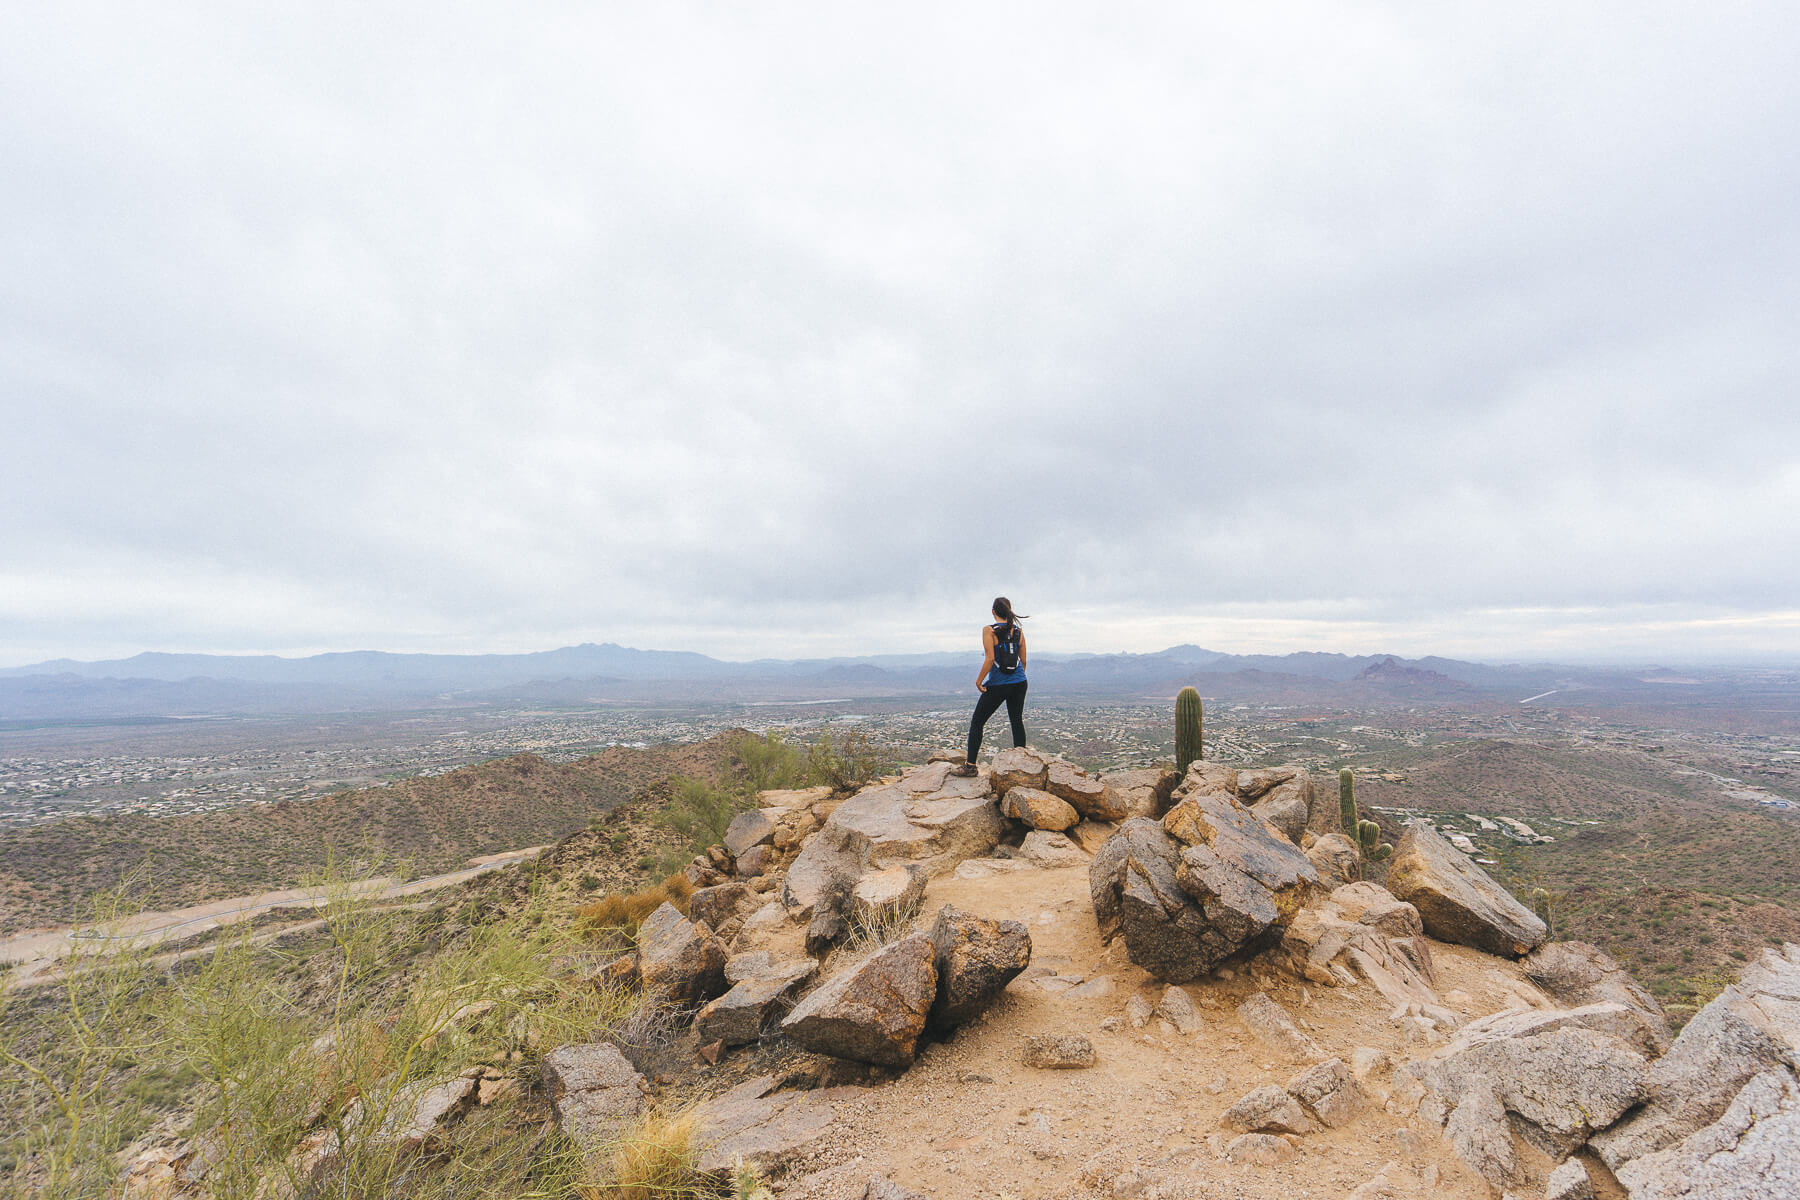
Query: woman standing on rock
(1002,679)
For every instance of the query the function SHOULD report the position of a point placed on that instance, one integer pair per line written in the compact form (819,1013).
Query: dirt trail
(969,1119)
(32,955)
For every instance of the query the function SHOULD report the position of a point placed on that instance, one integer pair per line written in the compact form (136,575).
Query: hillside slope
(437,823)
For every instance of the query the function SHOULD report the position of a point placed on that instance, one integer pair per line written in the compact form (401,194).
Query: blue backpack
(1006,649)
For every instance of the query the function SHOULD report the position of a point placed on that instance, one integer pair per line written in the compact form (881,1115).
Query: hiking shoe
(965,770)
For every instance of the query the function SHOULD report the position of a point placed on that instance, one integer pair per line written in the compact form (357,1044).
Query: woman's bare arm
(987,657)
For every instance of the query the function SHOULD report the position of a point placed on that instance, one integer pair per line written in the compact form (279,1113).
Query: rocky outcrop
(1018,767)
(1142,793)
(1751,1028)
(926,817)
(1456,899)
(764,1128)
(1752,1152)
(753,828)
(1086,794)
(716,905)
(1039,809)
(1362,931)
(1562,1075)
(761,991)
(678,959)
(873,1012)
(1208,882)
(594,1091)
(1576,974)
(976,958)
(1336,859)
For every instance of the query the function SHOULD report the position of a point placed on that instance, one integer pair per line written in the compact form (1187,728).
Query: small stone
(1138,1010)
(1275,1028)
(1261,1149)
(1058,1052)
(1177,1008)
(711,1051)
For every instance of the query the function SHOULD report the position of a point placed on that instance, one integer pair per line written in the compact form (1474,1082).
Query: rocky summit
(1042,982)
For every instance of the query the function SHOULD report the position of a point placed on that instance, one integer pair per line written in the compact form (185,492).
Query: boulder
(1272,1026)
(787,800)
(1456,899)
(1361,930)
(872,1012)
(1330,1092)
(976,958)
(1142,793)
(1750,1028)
(1253,785)
(1058,1052)
(762,1127)
(747,829)
(1018,767)
(1267,1109)
(754,861)
(1576,973)
(1335,858)
(1132,882)
(1558,1073)
(926,817)
(1752,1152)
(716,905)
(678,959)
(761,991)
(1203,776)
(1042,848)
(1246,876)
(888,898)
(1086,794)
(1373,905)
(1038,809)
(882,1188)
(1284,813)
(1184,909)
(594,1091)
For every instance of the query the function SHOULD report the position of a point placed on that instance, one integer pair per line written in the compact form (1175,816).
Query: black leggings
(1010,694)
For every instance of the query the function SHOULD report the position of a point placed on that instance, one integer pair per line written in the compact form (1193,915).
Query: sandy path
(971,1120)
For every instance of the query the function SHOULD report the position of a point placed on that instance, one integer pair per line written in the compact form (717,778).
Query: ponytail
(1004,610)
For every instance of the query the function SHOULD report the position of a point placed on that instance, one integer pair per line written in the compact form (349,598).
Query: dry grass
(627,911)
(657,1160)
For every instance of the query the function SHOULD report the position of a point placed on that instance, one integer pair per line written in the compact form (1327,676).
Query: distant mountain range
(179,684)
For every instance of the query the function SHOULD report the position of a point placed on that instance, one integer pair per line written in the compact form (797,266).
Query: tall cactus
(1189,719)
(1347,803)
(1368,834)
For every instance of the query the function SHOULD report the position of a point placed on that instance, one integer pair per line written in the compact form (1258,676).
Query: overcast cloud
(806,329)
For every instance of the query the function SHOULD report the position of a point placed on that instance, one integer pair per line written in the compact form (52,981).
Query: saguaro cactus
(1189,719)
(1347,803)
(1368,834)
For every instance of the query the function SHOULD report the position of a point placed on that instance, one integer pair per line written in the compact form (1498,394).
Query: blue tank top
(1017,674)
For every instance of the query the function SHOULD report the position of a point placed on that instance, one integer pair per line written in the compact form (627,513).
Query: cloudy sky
(806,329)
